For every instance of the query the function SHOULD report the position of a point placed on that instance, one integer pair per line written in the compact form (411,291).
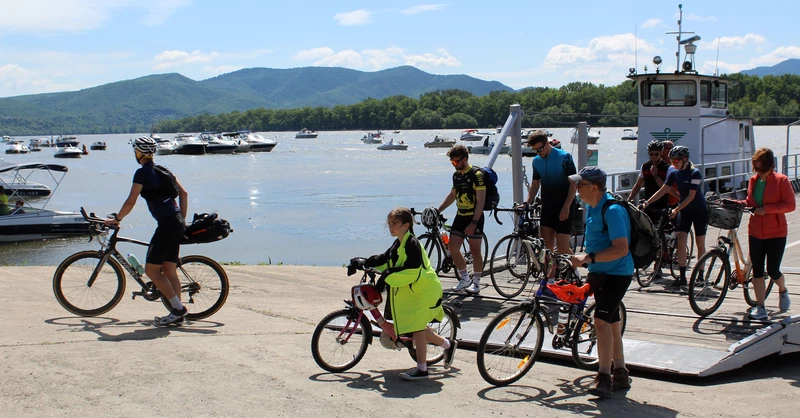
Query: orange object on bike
(568,292)
(445,238)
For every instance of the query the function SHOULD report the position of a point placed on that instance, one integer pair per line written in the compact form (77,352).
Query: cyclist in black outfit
(163,253)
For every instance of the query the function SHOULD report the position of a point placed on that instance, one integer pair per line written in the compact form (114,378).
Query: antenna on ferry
(680,32)
(635,49)
(716,66)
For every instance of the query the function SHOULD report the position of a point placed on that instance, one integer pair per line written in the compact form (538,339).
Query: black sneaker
(174,318)
(621,379)
(450,353)
(679,283)
(414,374)
(601,385)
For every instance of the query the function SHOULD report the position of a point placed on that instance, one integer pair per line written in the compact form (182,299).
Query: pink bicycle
(341,339)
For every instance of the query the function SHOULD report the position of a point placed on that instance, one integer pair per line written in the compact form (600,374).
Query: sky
(66,45)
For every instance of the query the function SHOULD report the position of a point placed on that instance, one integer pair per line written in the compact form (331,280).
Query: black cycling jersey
(466,184)
(159,207)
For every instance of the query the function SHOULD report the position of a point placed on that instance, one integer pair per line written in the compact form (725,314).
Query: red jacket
(778,199)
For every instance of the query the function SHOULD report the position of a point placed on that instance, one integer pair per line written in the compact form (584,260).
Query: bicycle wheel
(749,291)
(434,250)
(75,293)
(204,286)
(447,329)
(510,266)
(646,275)
(510,344)
(584,337)
(709,283)
(330,346)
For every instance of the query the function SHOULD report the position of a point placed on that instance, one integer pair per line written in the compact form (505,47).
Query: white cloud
(221,69)
(443,59)
(601,49)
(314,53)
(778,55)
(169,59)
(423,8)
(651,23)
(54,16)
(382,58)
(733,42)
(354,18)
(347,58)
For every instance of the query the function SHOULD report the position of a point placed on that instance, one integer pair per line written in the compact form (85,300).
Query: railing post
(516,151)
(786,158)
(583,138)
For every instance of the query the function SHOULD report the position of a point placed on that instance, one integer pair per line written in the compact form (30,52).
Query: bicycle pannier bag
(206,227)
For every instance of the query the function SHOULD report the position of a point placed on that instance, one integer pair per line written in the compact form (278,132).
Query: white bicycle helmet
(145,145)
(430,216)
(366,297)
(387,342)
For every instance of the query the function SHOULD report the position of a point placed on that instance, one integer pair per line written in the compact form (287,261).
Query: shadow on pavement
(389,383)
(114,330)
(571,396)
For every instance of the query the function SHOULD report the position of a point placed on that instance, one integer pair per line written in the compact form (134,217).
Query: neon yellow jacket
(415,293)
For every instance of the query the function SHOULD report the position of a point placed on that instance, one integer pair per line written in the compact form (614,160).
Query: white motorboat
(68,152)
(17,147)
(486,149)
(16,184)
(592,136)
(370,138)
(165,146)
(217,144)
(629,135)
(440,142)
(67,141)
(188,144)
(238,139)
(27,222)
(306,133)
(392,146)
(99,146)
(471,135)
(257,142)
(6,139)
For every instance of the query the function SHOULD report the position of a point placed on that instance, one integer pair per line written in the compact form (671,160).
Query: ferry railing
(788,155)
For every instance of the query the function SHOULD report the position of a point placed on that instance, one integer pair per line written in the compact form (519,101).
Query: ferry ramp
(663,334)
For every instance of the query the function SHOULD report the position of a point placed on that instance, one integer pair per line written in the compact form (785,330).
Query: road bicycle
(342,337)
(513,340)
(436,241)
(668,235)
(91,283)
(712,275)
(511,265)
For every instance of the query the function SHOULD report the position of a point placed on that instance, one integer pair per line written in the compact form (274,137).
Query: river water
(309,201)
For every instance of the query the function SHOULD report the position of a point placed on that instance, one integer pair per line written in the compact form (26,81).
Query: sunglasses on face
(457,161)
(676,160)
(537,150)
(655,154)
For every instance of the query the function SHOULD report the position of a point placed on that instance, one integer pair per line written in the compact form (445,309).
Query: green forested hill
(135,105)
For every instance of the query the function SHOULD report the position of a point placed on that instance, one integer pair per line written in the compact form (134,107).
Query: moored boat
(470,135)
(67,141)
(98,146)
(306,133)
(370,138)
(629,135)
(257,142)
(188,144)
(17,147)
(68,152)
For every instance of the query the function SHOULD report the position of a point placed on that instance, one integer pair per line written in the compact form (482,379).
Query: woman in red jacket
(771,196)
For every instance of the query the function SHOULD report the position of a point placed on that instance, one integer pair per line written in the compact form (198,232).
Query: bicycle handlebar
(97,222)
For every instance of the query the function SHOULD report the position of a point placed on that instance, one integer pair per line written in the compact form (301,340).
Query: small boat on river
(99,146)
(306,133)
(68,152)
(392,146)
(370,138)
(188,144)
(470,135)
(629,135)
(440,142)
(67,141)
(17,147)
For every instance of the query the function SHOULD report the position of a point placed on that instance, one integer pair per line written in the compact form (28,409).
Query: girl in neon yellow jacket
(415,293)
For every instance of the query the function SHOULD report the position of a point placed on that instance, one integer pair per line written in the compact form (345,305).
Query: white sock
(464,274)
(446,344)
(476,278)
(175,301)
(422,366)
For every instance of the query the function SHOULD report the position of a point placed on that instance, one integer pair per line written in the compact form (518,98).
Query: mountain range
(790,66)
(134,105)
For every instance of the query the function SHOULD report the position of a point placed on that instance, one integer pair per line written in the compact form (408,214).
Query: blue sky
(61,45)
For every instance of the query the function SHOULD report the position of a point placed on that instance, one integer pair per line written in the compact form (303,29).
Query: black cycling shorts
(550,214)
(609,289)
(460,224)
(697,217)
(166,242)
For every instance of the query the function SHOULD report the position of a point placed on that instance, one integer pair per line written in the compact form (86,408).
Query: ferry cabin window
(719,95)
(669,93)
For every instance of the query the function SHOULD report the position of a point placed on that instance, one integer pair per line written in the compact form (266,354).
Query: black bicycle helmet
(679,152)
(145,145)
(655,145)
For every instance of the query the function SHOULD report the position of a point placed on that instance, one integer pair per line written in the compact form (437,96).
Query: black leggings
(771,250)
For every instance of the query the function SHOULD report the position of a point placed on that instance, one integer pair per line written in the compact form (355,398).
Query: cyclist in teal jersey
(551,170)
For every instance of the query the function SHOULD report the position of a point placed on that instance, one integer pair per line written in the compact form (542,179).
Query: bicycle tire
(204,286)
(434,250)
(445,328)
(584,337)
(70,284)
(749,291)
(708,298)
(510,269)
(644,276)
(502,361)
(329,352)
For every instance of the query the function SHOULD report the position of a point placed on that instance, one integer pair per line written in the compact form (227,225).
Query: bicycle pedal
(137,294)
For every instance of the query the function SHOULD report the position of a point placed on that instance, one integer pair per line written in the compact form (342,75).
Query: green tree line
(771,100)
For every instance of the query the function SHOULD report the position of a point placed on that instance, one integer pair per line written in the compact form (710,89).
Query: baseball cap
(590,173)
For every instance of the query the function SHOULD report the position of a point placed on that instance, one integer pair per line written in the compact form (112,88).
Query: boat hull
(220,149)
(27,227)
(191,149)
(261,147)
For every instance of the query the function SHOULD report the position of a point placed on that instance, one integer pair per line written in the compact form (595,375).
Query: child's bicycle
(341,339)
(436,241)
(91,283)
(712,275)
(514,338)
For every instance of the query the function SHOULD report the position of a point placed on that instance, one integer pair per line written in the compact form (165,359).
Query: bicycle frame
(728,244)
(110,250)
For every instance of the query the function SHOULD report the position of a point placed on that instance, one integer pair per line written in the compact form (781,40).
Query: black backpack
(644,244)
(169,185)
(206,227)
(492,195)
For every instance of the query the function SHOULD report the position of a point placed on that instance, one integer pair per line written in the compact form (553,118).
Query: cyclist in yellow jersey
(469,193)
